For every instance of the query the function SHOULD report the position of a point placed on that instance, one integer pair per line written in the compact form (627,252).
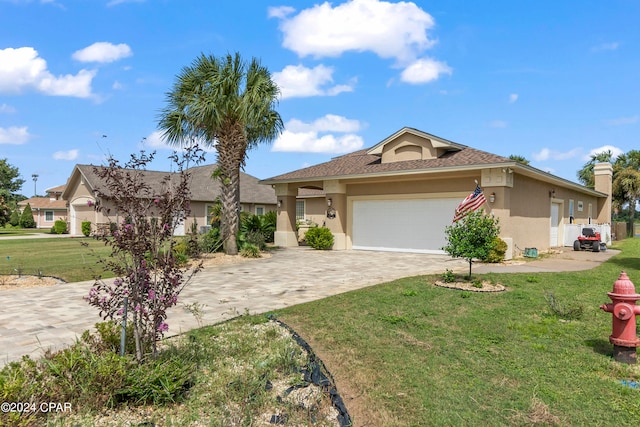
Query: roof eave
(523,169)
(553,179)
(383,174)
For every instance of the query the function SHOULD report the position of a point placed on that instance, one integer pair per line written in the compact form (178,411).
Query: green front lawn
(407,353)
(65,258)
(412,354)
(19,231)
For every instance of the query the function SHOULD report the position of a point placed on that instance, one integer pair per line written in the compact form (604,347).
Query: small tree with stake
(472,237)
(144,217)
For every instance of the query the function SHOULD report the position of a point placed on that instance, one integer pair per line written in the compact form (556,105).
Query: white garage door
(415,225)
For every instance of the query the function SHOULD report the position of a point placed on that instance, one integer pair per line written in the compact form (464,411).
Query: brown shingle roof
(203,186)
(44,203)
(360,163)
(58,189)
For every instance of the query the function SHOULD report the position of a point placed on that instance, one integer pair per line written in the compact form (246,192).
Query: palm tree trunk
(632,214)
(231,148)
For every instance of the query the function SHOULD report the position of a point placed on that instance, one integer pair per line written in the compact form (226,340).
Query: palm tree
(626,183)
(520,159)
(230,105)
(585,175)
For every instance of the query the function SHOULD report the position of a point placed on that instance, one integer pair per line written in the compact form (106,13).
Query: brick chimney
(603,177)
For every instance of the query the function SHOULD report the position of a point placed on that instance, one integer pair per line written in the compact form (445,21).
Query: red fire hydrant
(624,309)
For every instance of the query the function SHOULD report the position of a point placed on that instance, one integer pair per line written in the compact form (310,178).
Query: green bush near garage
(319,238)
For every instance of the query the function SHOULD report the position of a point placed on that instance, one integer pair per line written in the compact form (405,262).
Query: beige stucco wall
(442,185)
(522,204)
(315,210)
(409,147)
(524,211)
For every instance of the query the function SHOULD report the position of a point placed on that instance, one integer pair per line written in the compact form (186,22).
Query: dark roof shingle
(360,163)
(203,186)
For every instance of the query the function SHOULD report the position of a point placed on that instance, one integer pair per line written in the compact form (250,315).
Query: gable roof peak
(436,141)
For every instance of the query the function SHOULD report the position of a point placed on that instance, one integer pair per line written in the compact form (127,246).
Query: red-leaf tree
(143,216)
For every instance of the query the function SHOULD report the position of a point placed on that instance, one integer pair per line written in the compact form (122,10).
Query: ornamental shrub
(319,238)
(26,219)
(148,275)
(211,242)
(249,250)
(14,220)
(60,226)
(497,251)
(472,237)
(86,228)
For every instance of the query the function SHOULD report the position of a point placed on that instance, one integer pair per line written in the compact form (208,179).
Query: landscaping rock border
(318,374)
(487,286)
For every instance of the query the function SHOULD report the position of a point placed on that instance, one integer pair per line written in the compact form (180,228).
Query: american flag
(471,203)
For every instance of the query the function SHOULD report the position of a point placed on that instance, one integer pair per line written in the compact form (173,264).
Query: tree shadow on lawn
(626,263)
(600,346)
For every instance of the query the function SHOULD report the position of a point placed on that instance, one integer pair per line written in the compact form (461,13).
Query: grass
(8,230)
(404,353)
(65,258)
(244,372)
(424,355)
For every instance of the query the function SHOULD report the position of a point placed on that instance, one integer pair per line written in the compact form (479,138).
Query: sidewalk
(566,260)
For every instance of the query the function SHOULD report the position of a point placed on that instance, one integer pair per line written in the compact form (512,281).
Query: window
(259,210)
(213,214)
(570,207)
(590,212)
(299,210)
(48,216)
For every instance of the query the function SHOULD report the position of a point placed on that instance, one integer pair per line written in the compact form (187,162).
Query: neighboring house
(46,210)
(400,195)
(80,194)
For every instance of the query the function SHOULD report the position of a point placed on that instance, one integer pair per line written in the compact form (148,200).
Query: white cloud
(513,98)
(22,68)
(498,124)
(319,136)
(424,71)
(311,142)
(116,85)
(280,12)
(155,141)
(542,155)
(623,121)
(328,123)
(102,52)
(65,155)
(547,154)
(117,2)
(605,46)
(615,151)
(390,30)
(300,81)
(14,135)
(7,109)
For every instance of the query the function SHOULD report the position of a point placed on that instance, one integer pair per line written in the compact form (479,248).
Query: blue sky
(551,81)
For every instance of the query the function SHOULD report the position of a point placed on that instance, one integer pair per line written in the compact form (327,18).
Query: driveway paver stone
(34,319)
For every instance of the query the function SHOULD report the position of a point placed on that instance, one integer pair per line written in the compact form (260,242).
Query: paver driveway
(34,319)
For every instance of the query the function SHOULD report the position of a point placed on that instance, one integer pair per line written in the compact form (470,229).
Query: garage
(404,225)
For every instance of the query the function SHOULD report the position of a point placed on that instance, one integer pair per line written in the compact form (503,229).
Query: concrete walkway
(34,319)
(566,260)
